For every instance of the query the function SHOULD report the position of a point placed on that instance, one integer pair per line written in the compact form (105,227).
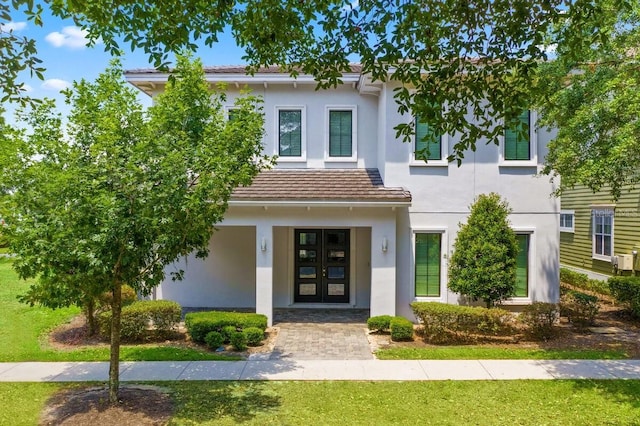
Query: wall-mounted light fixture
(385,244)
(263,244)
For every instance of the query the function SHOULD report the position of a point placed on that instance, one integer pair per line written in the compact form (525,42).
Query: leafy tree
(483,265)
(592,96)
(118,195)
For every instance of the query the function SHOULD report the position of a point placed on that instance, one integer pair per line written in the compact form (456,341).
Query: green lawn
(484,352)
(23,332)
(575,402)
(4,250)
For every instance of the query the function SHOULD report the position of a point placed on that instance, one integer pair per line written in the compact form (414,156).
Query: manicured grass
(23,329)
(535,402)
(483,352)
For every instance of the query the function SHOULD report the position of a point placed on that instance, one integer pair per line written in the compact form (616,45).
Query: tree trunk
(114,362)
(90,313)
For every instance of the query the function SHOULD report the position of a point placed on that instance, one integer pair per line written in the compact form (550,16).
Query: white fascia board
(319,203)
(239,78)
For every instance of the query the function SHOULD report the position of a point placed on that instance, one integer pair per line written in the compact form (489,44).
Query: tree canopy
(119,193)
(467,68)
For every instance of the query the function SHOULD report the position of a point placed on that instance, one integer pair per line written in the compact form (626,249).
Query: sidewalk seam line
(183,370)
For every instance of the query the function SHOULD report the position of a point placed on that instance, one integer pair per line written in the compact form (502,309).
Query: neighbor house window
(567,221)
(517,139)
(427,264)
(427,139)
(602,239)
(341,133)
(290,132)
(232,113)
(522,265)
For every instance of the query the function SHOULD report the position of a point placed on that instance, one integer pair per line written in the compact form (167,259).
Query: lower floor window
(427,264)
(522,266)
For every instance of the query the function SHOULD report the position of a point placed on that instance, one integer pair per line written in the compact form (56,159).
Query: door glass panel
(336,289)
(335,256)
(335,272)
(307,289)
(307,238)
(307,272)
(307,255)
(336,238)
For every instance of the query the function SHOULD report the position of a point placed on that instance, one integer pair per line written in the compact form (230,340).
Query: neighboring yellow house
(599,236)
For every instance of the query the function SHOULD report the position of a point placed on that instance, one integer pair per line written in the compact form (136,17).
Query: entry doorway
(321,272)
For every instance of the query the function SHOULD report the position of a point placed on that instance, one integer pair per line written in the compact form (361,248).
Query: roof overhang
(317,203)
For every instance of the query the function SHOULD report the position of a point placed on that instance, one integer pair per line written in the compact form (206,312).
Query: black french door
(321,272)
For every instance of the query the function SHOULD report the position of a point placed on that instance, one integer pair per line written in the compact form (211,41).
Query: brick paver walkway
(321,334)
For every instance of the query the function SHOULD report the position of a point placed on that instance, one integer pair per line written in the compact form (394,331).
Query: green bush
(483,264)
(379,323)
(214,340)
(582,281)
(200,323)
(254,335)
(540,319)
(227,332)
(401,329)
(626,291)
(239,341)
(129,296)
(442,322)
(144,318)
(579,308)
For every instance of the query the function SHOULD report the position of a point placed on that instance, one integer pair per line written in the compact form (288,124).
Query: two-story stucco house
(350,217)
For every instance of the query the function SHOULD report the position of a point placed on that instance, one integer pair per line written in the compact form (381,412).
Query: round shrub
(254,335)
(379,323)
(214,340)
(129,296)
(228,331)
(540,319)
(401,329)
(239,341)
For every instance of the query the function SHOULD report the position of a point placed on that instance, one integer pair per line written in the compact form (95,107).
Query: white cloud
(55,84)
(13,26)
(72,37)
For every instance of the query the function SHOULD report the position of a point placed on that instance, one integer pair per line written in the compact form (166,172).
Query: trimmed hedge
(239,341)
(540,319)
(583,282)
(626,291)
(379,323)
(579,308)
(441,322)
(200,323)
(401,329)
(144,318)
(214,340)
(129,296)
(254,335)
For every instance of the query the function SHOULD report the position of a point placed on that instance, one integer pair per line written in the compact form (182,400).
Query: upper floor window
(291,133)
(342,136)
(519,142)
(602,235)
(567,221)
(428,143)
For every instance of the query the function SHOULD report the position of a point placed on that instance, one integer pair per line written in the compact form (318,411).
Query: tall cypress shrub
(483,264)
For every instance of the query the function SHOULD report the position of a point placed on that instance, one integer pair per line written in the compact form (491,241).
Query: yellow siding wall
(575,249)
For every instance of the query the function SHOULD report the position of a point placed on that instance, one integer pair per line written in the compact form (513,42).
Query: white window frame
(571,228)
(354,133)
(303,130)
(444,266)
(533,145)
(602,210)
(228,109)
(444,152)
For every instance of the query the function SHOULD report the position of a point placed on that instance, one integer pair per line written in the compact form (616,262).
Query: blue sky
(62,48)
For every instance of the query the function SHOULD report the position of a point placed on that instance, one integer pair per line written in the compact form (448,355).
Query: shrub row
(441,321)
(583,282)
(579,308)
(199,324)
(540,319)
(251,336)
(626,291)
(142,318)
(400,327)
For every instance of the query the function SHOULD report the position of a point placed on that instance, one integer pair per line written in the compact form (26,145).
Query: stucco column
(383,268)
(264,271)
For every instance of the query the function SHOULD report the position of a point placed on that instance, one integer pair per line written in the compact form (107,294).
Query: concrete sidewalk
(283,369)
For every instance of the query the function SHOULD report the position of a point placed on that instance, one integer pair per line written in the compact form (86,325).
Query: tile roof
(314,185)
(234,69)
